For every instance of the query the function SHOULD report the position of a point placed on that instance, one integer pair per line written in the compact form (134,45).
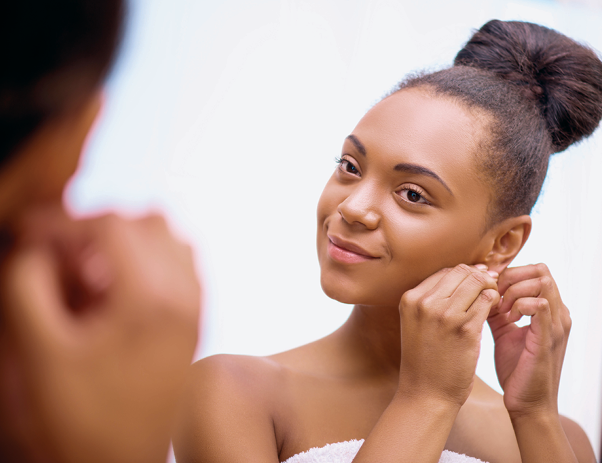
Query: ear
(507,239)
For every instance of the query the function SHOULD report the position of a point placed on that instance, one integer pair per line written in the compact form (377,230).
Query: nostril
(342,214)
(358,215)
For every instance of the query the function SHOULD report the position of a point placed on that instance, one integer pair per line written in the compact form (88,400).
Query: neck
(373,334)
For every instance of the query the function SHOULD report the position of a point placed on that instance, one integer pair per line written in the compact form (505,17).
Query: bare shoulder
(227,411)
(579,441)
(252,374)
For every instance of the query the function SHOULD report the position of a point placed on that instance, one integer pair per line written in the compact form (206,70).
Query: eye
(412,194)
(345,165)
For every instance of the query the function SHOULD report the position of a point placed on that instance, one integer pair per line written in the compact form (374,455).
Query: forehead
(415,126)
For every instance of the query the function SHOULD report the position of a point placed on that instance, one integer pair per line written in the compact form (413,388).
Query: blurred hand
(529,359)
(102,317)
(441,324)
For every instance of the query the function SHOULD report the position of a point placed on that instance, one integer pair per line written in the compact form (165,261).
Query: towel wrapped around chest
(344,452)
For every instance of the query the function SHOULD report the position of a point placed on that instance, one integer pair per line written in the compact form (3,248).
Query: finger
(32,297)
(526,288)
(536,308)
(470,289)
(95,271)
(543,287)
(86,278)
(513,275)
(483,304)
(71,240)
(154,220)
(452,280)
(499,324)
(160,231)
(147,261)
(83,269)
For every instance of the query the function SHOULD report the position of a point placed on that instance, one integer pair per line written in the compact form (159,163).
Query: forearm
(542,439)
(410,430)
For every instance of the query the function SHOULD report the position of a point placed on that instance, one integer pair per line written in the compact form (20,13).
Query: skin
(99,316)
(400,373)
(43,164)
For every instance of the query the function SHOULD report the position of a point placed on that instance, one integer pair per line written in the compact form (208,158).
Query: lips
(347,252)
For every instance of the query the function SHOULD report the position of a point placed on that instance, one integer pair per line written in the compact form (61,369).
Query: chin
(354,294)
(338,294)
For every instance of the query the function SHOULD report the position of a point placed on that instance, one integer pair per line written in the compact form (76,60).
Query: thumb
(499,323)
(33,299)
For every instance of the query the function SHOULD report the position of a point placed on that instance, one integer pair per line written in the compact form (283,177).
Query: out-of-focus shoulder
(235,366)
(241,374)
(228,398)
(579,441)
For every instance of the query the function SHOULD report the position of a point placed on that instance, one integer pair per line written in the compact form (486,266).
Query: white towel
(344,452)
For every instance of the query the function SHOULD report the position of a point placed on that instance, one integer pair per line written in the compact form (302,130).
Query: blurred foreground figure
(98,318)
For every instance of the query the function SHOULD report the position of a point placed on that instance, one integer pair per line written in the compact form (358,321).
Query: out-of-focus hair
(53,54)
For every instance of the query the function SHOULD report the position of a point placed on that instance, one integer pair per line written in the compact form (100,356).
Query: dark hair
(542,92)
(54,53)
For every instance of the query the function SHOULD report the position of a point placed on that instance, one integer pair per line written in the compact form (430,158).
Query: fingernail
(481,266)
(493,273)
(95,273)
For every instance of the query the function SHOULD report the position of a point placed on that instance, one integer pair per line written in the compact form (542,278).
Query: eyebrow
(420,170)
(358,144)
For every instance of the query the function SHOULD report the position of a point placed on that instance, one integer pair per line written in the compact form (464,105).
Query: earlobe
(508,238)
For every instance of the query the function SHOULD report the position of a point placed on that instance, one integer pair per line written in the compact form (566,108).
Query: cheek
(328,200)
(332,195)
(51,175)
(421,247)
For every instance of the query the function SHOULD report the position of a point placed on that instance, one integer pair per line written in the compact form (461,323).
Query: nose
(360,208)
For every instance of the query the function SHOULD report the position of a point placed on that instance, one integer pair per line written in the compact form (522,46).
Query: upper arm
(579,441)
(225,415)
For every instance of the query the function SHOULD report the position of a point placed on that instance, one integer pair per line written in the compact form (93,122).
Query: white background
(227,116)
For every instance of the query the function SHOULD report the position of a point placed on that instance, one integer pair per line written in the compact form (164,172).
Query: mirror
(228,115)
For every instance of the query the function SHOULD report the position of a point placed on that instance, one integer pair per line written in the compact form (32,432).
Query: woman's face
(404,201)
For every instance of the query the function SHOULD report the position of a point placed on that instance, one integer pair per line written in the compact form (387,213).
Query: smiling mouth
(348,253)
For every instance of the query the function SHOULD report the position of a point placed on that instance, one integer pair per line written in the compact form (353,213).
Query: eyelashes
(412,194)
(345,165)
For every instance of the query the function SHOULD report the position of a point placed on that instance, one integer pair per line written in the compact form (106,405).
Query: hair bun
(562,76)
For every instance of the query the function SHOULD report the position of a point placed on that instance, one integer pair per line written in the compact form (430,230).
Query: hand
(103,318)
(529,359)
(441,324)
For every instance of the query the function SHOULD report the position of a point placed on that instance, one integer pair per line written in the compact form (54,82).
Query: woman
(427,208)
(98,319)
